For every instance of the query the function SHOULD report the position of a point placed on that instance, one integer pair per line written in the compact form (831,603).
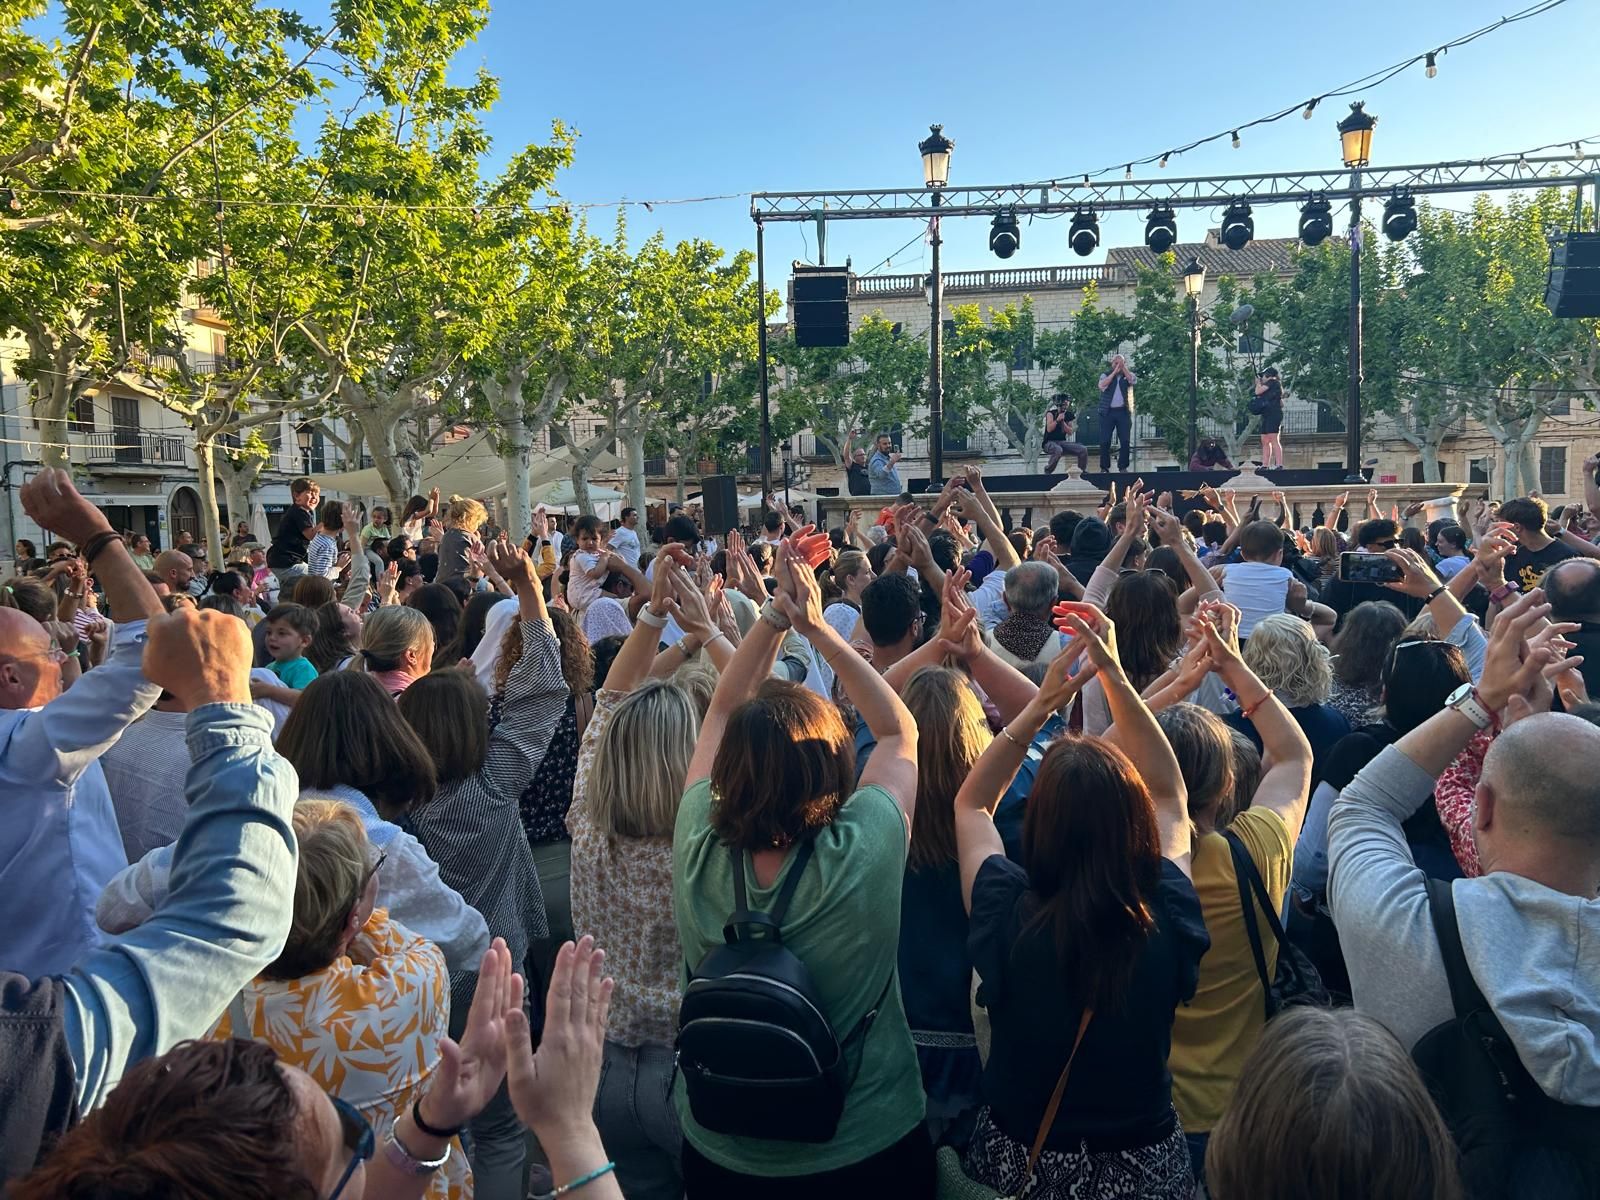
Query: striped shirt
(322,554)
(473,828)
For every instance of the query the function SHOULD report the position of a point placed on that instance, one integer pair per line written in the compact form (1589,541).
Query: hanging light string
(1307,107)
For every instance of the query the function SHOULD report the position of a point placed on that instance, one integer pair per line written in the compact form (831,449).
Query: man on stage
(1058,443)
(1116,412)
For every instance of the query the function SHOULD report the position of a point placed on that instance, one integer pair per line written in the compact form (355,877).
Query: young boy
(588,567)
(290,628)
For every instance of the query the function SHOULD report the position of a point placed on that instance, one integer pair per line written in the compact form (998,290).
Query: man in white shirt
(625,537)
(146,772)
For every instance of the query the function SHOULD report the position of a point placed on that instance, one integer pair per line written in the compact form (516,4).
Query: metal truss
(1296,187)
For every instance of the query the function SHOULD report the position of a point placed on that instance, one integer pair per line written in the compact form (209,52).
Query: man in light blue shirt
(883,474)
(66,1041)
(59,842)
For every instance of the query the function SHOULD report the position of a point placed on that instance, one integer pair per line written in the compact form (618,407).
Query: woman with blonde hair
(463,518)
(631,772)
(355,1000)
(1284,653)
(1329,1105)
(1325,552)
(396,647)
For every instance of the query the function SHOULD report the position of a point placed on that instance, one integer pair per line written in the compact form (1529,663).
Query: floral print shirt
(366,1028)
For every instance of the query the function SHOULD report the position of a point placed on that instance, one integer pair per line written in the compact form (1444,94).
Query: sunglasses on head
(358,1139)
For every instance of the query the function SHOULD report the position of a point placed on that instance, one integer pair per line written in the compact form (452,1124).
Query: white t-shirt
(1256,589)
(625,542)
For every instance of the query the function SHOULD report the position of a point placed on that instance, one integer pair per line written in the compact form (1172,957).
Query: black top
(1119,1095)
(1323,725)
(289,543)
(1272,398)
(856,480)
(1056,430)
(1526,566)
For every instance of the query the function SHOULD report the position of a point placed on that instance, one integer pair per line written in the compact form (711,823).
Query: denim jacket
(59,842)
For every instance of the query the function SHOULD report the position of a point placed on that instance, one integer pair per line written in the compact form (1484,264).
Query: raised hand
(469,1074)
(54,504)
(1092,631)
(799,598)
(511,564)
(200,657)
(809,546)
(686,604)
(1167,527)
(1418,578)
(553,1091)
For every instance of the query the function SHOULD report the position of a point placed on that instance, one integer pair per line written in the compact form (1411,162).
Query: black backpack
(1515,1141)
(1297,980)
(758,1055)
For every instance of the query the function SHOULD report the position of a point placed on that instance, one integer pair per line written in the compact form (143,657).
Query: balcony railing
(1010,280)
(132,448)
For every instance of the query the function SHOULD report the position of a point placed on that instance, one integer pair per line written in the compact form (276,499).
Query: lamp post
(788,463)
(1194,280)
(935,150)
(302,435)
(1355,138)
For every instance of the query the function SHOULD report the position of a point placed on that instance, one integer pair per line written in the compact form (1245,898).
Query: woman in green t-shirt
(774,765)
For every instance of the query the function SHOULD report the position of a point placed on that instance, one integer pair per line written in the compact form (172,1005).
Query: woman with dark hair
(347,741)
(310,591)
(1360,650)
(773,779)
(1330,1105)
(471,827)
(1268,405)
(415,516)
(27,559)
(1214,1032)
(338,634)
(442,607)
(474,619)
(1086,950)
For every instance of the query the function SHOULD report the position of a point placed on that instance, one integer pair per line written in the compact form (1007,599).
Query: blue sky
(702,97)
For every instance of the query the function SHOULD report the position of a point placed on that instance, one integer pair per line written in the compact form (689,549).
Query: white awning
(465,468)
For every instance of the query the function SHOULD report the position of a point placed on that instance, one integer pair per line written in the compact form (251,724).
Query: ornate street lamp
(935,150)
(1194,281)
(1355,143)
(1355,136)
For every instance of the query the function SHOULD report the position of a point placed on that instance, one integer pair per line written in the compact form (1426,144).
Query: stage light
(1316,221)
(935,150)
(1238,226)
(1355,136)
(1005,237)
(1399,216)
(1161,230)
(1084,234)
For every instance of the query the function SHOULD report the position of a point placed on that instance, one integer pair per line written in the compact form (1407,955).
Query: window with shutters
(1553,470)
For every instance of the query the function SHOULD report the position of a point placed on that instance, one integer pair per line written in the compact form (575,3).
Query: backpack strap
(1243,868)
(743,916)
(1465,995)
(1259,886)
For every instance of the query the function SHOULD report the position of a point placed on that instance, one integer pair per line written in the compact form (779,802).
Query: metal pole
(786,474)
(761,344)
(1194,372)
(1352,412)
(935,372)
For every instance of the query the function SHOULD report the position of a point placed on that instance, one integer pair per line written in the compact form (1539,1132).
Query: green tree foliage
(982,358)
(875,383)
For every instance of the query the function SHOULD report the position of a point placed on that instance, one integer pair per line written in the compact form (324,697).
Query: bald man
(59,841)
(1573,589)
(1530,924)
(176,569)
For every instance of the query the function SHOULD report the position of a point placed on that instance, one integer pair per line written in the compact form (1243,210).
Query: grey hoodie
(1534,952)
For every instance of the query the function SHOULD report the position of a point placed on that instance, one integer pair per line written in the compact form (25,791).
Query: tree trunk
(380,421)
(516,456)
(52,397)
(580,487)
(238,484)
(633,447)
(206,482)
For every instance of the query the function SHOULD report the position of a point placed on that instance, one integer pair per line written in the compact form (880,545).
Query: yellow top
(1214,1033)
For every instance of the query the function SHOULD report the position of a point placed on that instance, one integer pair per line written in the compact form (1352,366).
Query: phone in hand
(1358,567)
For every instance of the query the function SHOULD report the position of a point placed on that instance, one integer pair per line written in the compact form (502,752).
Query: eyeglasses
(55,654)
(1386,543)
(383,857)
(358,1140)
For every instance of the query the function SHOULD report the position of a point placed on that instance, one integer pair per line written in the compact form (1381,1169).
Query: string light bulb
(1311,107)
(1127,171)
(13,202)
(217,214)
(1432,67)
(1163,161)
(360,218)
(1235,139)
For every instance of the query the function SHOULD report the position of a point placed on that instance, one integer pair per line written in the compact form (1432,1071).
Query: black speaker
(1573,289)
(719,500)
(821,300)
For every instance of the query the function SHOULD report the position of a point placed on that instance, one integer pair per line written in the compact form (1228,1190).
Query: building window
(80,417)
(1478,469)
(1553,470)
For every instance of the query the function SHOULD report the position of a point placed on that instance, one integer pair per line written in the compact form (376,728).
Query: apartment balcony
(131,448)
(1011,279)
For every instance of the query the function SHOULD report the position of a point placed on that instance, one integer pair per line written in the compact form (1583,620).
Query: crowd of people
(1135,855)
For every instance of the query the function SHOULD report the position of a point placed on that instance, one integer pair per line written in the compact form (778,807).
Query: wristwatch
(408,1163)
(1466,701)
(1510,588)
